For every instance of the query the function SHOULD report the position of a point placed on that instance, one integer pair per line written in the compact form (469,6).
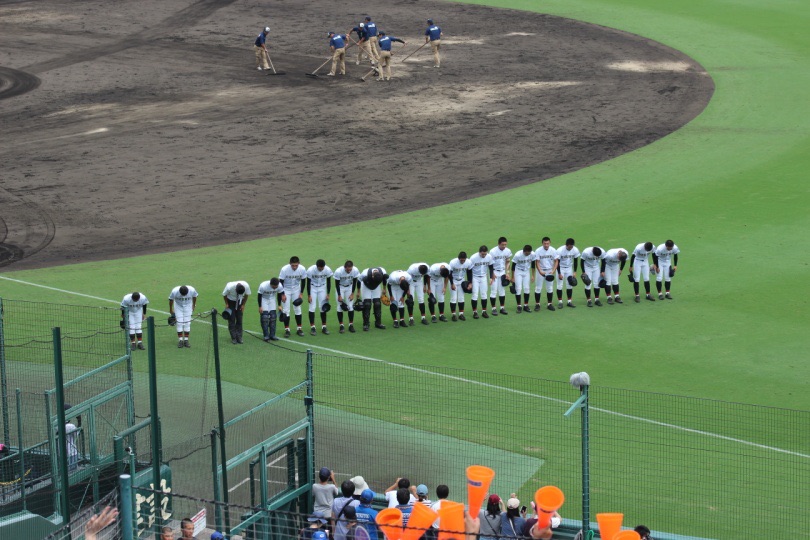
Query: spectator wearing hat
(324,493)
(530,529)
(260,48)
(421,495)
(216,535)
(360,486)
(339,507)
(405,502)
(491,518)
(442,492)
(511,521)
(391,492)
(366,515)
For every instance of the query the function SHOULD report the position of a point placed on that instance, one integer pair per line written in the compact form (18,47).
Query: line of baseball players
(373,43)
(494,271)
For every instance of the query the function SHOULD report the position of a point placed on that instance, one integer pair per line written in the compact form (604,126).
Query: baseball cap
(325,472)
(362,25)
(494,499)
(319,535)
(350,513)
(421,489)
(430,21)
(266,28)
(216,535)
(513,503)
(360,484)
(367,496)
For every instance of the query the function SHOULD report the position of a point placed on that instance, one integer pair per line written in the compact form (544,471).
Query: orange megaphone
(479,479)
(609,525)
(390,523)
(451,526)
(548,500)
(627,535)
(419,522)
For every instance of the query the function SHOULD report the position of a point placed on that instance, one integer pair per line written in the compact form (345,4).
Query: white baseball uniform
(397,293)
(268,295)
(545,263)
(183,307)
(613,265)
(566,265)
(136,311)
(523,268)
(345,283)
(418,289)
(480,274)
(317,287)
(365,291)
(500,266)
(592,266)
(641,263)
(438,283)
(459,272)
(292,286)
(665,261)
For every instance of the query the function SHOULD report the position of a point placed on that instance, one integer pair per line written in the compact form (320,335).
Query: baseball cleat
(187,344)
(610,300)
(618,300)
(476,315)
(140,345)
(571,304)
(299,332)
(454,318)
(396,324)
(462,317)
(233,341)
(379,326)
(668,296)
(273,338)
(180,344)
(597,302)
(411,322)
(313,332)
(330,74)
(266,338)
(504,312)
(239,341)
(650,298)
(550,307)
(526,309)
(424,321)
(351,328)
(660,296)
(495,311)
(637,299)
(402,324)
(519,309)
(365,328)
(590,303)
(560,304)
(342,329)
(286,332)
(259,68)
(537,307)
(442,318)
(484,314)
(325,330)
(433,318)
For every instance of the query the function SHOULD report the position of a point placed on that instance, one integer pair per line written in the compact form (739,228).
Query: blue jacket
(338,41)
(385,42)
(434,32)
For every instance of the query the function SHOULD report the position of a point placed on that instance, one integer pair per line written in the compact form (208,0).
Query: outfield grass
(728,188)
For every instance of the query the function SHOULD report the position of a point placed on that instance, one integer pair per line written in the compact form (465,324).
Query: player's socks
(474,304)
(298,319)
(422,308)
(635,287)
(340,317)
(550,297)
(312,319)
(615,289)
(537,298)
(647,287)
(517,299)
(525,299)
(502,300)
(569,293)
(323,318)
(658,285)
(483,304)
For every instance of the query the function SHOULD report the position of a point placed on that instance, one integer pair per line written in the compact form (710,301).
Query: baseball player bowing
(269,292)
(567,256)
(665,262)
(612,264)
(461,270)
(319,285)
(640,268)
(501,256)
(522,264)
(371,284)
(345,287)
(546,262)
(482,276)
(182,302)
(134,305)
(439,275)
(418,272)
(592,272)
(236,294)
(293,276)
(399,286)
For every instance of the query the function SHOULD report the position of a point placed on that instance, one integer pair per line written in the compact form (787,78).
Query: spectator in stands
(405,504)
(366,515)
(391,492)
(421,495)
(186,529)
(360,486)
(644,532)
(350,517)
(96,523)
(72,438)
(530,523)
(442,492)
(324,493)
(339,507)
(491,518)
(166,533)
(511,520)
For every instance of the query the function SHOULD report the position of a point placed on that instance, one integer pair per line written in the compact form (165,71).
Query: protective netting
(79,522)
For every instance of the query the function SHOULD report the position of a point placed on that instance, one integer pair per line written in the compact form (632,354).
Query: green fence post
(215,476)
(221,413)
(310,404)
(586,467)
(4,377)
(125,487)
(60,414)
(301,458)
(20,446)
(155,427)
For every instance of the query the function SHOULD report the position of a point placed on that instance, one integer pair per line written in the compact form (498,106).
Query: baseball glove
(344,306)
(122,324)
(585,279)
(602,283)
(512,289)
(630,278)
(409,302)
(549,277)
(572,280)
(358,305)
(227,313)
(298,301)
(384,299)
(671,272)
(326,307)
(172,320)
(465,286)
(504,280)
(432,299)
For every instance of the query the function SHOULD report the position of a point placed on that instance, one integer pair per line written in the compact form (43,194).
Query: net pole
(586,467)
(62,452)
(125,486)
(21,449)
(154,425)
(4,377)
(310,404)
(221,416)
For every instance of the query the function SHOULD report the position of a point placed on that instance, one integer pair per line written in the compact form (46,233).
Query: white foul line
(470,381)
